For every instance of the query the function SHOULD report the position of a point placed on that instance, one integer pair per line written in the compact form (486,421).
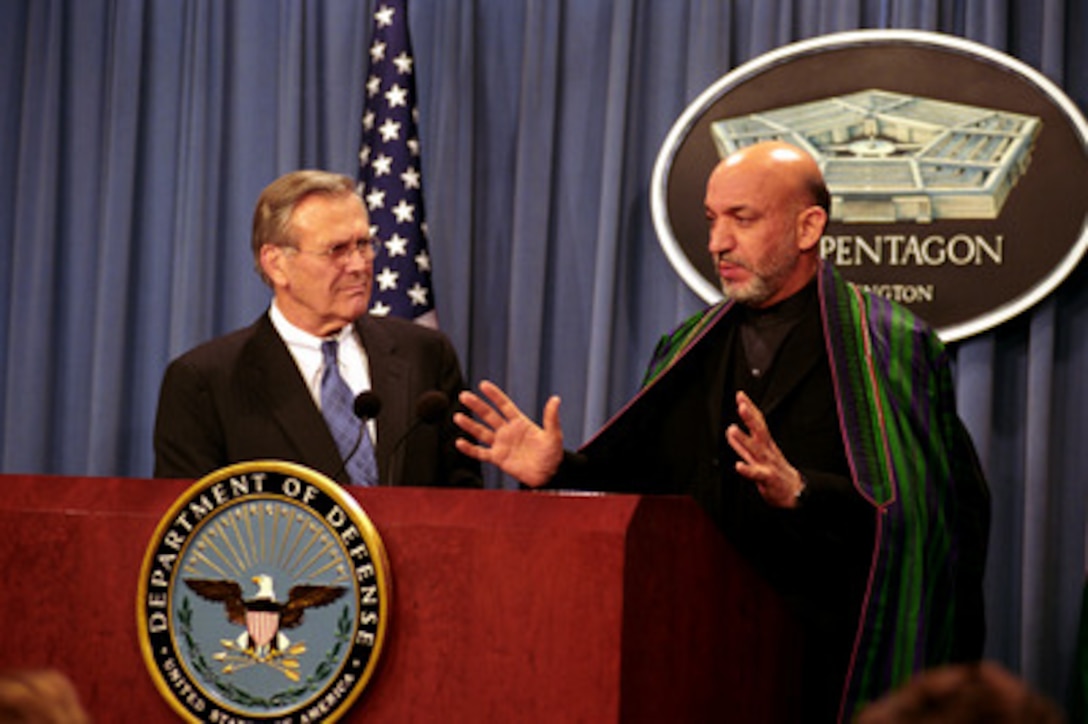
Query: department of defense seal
(264,596)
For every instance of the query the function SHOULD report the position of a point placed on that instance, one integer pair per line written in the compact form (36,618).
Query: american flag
(389,174)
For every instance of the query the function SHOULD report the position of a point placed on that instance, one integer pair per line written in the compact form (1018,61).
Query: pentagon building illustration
(891,157)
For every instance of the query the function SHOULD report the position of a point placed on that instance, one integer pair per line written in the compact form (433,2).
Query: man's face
(317,291)
(753,234)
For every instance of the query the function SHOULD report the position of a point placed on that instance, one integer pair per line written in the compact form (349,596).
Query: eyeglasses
(340,253)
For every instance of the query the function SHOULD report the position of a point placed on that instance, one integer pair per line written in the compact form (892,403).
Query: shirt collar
(296,336)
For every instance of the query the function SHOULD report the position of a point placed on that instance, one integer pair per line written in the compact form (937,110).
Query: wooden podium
(507,606)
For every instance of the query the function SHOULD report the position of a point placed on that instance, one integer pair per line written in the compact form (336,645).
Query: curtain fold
(137,134)
(533,178)
(608,233)
(1039,577)
(35,198)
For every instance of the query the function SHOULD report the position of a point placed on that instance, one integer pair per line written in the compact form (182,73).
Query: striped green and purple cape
(906,451)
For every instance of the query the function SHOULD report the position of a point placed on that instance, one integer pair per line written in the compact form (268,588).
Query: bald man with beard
(815,423)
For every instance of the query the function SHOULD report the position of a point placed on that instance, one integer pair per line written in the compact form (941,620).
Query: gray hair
(278,201)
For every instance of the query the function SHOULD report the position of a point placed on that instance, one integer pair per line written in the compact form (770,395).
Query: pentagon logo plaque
(954,169)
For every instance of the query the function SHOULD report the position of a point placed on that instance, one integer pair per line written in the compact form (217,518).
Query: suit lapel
(271,378)
(388,379)
(795,360)
(717,367)
(722,340)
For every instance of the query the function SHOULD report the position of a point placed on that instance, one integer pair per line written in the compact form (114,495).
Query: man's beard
(752,293)
(764,283)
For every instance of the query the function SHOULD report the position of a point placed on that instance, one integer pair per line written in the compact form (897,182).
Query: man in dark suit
(259,392)
(815,423)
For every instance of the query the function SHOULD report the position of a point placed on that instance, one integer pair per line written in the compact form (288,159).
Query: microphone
(367,405)
(431,407)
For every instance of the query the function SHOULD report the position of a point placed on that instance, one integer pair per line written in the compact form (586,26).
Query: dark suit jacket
(671,439)
(240,397)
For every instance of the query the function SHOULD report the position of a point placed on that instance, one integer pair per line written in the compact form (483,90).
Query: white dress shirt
(305,348)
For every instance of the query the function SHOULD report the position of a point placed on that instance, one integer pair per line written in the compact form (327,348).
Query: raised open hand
(508,439)
(761,460)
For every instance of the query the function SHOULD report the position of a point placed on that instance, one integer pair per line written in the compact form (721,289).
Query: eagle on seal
(263,616)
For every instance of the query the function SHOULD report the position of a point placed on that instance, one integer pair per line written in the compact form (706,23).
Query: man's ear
(273,258)
(810,227)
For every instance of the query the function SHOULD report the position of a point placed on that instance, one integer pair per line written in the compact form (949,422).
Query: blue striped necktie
(337,405)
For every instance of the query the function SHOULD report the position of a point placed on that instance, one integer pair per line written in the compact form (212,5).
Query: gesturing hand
(508,439)
(761,461)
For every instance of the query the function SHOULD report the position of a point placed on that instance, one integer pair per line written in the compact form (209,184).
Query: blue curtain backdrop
(135,136)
